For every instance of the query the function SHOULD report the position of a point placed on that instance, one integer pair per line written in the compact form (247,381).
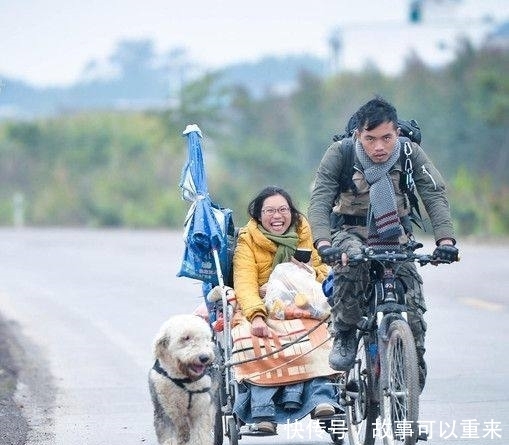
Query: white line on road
(483,304)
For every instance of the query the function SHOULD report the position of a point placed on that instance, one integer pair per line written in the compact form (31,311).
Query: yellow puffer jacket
(252,264)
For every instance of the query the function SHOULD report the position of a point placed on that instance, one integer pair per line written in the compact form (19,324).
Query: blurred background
(94,99)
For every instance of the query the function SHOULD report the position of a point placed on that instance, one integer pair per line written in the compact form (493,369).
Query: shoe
(291,406)
(265,427)
(323,410)
(344,350)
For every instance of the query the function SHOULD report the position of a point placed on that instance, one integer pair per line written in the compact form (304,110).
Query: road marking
(483,304)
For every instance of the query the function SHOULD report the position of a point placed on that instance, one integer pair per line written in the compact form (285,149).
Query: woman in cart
(281,392)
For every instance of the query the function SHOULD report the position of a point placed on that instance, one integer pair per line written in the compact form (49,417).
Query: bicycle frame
(382,389)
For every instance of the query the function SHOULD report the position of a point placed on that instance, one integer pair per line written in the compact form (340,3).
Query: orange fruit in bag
(301,300)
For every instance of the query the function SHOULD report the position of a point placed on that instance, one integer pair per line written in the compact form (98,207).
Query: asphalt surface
(27,390)
(13,424)
(80,310)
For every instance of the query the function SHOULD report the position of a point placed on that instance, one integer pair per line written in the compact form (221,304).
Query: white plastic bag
(293,292)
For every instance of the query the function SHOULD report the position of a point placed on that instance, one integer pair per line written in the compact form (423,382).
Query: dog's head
(184,346)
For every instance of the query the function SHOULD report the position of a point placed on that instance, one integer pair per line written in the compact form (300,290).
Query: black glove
(446,253)
(330,255)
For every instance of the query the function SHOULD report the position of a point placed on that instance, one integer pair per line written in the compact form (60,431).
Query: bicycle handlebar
(369,254)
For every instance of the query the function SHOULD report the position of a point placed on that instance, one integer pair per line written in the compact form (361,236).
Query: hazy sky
(50,41)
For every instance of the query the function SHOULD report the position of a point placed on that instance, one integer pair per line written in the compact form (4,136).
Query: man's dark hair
(375,112)
(255,206)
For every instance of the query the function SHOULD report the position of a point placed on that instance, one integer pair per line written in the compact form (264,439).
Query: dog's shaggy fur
(180,386)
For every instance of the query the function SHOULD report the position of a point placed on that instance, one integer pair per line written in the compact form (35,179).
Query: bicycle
(381,392)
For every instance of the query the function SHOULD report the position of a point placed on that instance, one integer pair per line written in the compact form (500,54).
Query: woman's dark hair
(254,209)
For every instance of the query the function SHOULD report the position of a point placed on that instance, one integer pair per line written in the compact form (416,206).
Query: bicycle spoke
(398,391)
(400,380)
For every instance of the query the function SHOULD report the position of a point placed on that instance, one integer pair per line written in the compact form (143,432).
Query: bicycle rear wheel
(399,386)
(361,406)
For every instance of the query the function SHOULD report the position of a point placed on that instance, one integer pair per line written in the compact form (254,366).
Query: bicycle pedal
(352,387)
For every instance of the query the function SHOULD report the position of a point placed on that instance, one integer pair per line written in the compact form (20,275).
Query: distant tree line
(134,76)
(123,168)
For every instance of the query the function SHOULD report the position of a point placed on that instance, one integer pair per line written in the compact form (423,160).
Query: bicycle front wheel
(399,386)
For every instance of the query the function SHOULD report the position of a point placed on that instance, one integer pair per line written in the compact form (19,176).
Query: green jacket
(326,196)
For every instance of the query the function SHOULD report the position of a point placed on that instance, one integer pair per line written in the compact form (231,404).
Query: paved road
(85,305)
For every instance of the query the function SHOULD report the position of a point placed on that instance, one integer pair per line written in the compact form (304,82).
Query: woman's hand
(259,328)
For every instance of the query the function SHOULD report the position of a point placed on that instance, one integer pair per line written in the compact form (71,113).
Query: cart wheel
(233,433)
(218,427)
(337,439)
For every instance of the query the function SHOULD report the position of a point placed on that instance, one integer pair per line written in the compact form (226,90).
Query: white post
(18,209)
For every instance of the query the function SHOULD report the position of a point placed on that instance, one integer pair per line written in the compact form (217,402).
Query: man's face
(379,143)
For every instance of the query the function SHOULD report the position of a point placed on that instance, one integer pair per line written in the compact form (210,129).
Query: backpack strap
(407,183)
(232,243)
(347,170)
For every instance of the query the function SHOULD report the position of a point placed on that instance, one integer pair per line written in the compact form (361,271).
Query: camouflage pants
(350,284)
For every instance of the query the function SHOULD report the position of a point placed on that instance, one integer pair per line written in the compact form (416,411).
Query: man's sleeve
(325,190)
(433,192)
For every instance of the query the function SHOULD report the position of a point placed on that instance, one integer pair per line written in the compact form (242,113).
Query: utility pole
(18,204)
(415,11)
(336,47)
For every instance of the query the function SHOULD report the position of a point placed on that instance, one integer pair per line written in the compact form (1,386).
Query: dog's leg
(162,423)
(181,424)
(183,433)
(202,428)
(180,434)
(171,441)
(171,424)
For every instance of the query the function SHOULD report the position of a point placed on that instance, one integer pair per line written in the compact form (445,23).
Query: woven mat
(306,359)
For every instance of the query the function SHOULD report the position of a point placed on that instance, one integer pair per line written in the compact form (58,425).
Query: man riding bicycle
(374,211)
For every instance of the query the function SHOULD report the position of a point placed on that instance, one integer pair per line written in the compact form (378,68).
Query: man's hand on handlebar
(446,253)
(332,255)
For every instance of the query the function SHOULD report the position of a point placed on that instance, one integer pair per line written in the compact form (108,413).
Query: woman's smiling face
(276,215)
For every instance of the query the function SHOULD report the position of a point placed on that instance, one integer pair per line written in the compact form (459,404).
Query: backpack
(409,132)
(232,243)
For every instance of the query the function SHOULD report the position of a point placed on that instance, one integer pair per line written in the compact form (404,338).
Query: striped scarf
(384,227)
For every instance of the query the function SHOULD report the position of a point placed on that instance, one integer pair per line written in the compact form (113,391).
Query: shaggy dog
(180,386)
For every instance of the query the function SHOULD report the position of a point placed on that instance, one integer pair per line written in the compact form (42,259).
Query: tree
(134,56)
